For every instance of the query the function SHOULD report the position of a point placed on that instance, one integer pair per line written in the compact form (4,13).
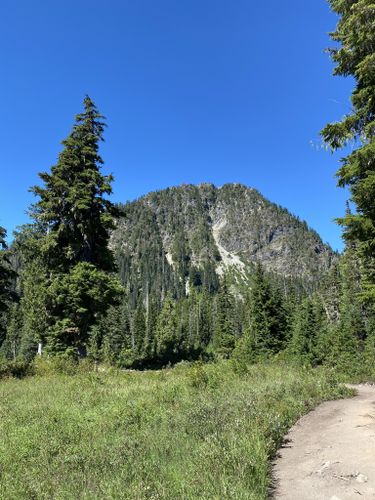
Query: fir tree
(33,283)
(224,332)
(355,57)
(114,339)
(12,344)
(245,351)
(166,336)
(76,217)
(6,274)
(309,330)
(267,315)
(73,206)
(139,330)
(77,300)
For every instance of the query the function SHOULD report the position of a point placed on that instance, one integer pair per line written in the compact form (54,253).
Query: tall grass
(201,431)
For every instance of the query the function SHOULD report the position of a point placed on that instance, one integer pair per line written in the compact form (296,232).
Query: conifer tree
(150,324)
(369,351)
(346,340)
(355,57)
(309,330)
(267,315)
(352,310)
(76,217)
(139,330)
(73,206)
(33,286)
(6,274)
(115,338)
(204,331)
(12,344)
(166,335)
(245,351)
(224,332)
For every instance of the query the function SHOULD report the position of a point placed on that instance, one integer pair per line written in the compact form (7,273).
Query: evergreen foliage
(309,330)
(10,348)
(72,207)
(75,218)
(224,333)
(355,57)
(267,315)
(6,274)
(114,337)
(206,273)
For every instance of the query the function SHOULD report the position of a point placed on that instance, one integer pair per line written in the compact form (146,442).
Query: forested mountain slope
(197,232)
(201,268)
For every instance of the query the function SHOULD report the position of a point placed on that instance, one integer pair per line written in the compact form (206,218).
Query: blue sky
(193,91)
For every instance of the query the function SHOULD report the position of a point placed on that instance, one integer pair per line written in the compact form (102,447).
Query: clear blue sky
(194,91)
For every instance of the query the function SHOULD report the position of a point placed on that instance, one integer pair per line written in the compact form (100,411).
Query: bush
(197,375)
(17,369)
(59,365)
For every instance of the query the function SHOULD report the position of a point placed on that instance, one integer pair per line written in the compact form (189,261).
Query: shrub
(17,369)
(60,365)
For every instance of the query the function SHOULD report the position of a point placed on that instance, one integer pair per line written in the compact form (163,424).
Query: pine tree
(355,57)
(76,218)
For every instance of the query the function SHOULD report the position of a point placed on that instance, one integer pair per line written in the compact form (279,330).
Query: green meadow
(193,431)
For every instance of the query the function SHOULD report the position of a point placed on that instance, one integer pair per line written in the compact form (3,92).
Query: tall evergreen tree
(224,330)
(6,273)
(73,206)
(166,334)
(309,329)
(76,216)
(33,282)
(355,57)
(139,330)
(12,344)
(115,338)
(267,315)
(6,277)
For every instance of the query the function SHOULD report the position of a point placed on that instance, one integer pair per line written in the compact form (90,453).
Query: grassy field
(188,432)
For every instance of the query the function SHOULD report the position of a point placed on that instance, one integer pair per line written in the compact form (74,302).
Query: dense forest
(196,272)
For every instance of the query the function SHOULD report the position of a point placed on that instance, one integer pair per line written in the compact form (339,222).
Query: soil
(330,453)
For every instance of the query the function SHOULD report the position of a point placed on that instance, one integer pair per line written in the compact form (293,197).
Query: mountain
(191,235)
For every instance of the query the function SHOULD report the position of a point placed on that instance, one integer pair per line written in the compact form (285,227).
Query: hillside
(201,231)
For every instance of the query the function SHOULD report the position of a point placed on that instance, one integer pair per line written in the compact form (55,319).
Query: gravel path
(330,453)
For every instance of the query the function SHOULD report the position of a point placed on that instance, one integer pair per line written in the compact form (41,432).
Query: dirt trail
(330,453)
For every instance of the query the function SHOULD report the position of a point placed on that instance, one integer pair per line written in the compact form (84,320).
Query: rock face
(195,227)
